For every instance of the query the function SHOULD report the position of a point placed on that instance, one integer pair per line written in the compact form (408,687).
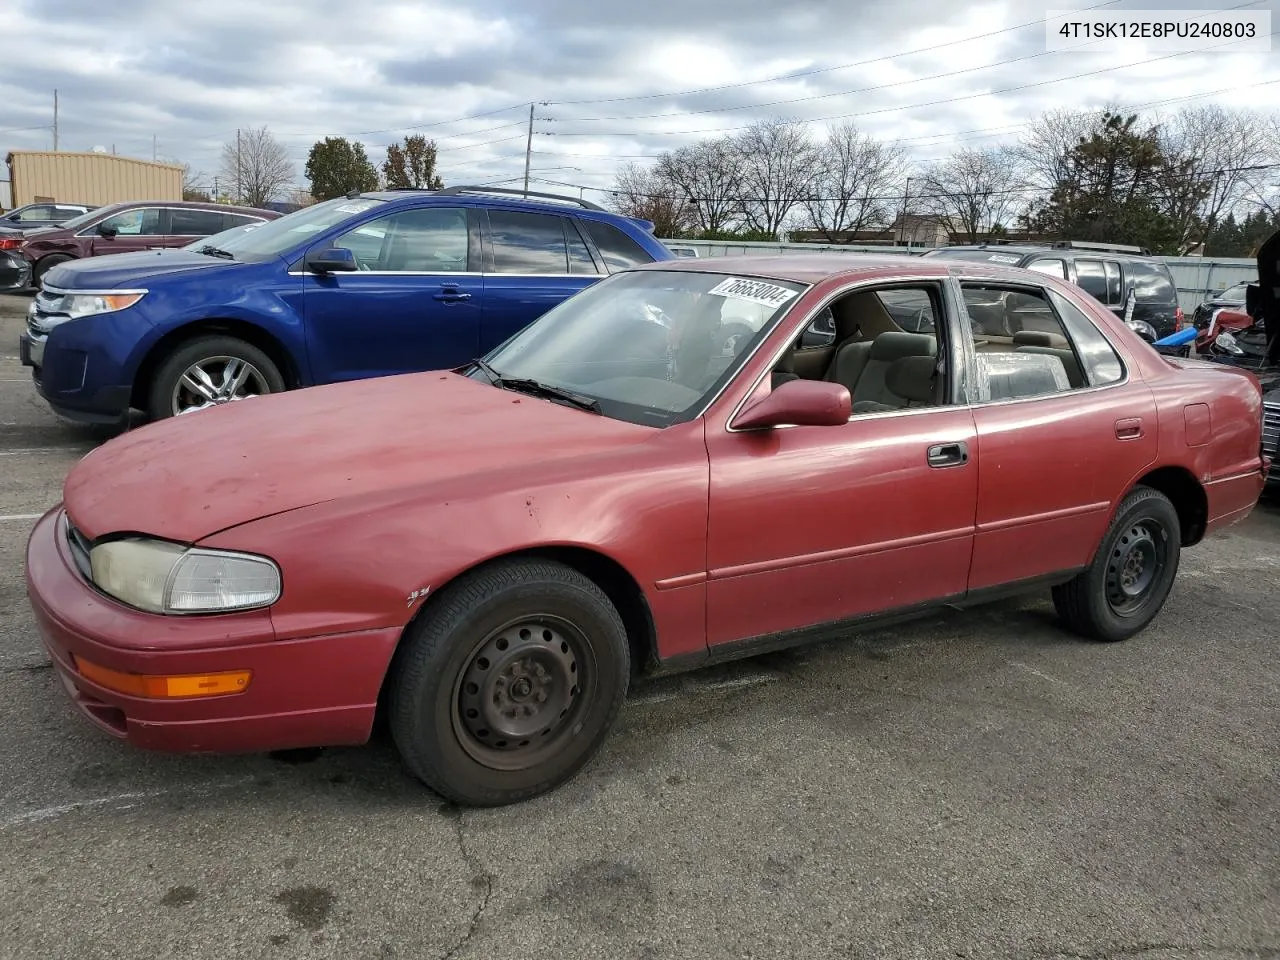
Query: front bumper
(316,691)
(62,383)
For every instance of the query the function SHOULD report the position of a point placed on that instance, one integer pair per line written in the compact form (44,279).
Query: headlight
(76,305)
(169,578)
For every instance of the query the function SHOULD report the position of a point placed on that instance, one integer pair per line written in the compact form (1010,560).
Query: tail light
(1180,319)
(10,243)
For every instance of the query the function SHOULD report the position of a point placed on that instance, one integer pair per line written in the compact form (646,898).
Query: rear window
(1152,282)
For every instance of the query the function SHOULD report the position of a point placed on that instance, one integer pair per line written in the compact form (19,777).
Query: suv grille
(1271,428)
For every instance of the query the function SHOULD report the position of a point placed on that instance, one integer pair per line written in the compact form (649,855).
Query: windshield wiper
(536,388)
(212,251)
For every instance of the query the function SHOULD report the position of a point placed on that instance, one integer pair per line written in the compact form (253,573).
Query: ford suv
(366,285)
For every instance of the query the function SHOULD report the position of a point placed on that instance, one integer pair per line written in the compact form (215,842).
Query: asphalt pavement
(975,785)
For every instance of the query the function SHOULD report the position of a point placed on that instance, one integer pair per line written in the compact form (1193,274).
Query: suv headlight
(76,305)
(163,577)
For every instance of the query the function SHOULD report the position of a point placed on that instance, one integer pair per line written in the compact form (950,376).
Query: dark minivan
(129,228)
(1112,273)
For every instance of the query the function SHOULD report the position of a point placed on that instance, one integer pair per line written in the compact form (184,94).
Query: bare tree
(972,190)
(709,175)
(194,184)
(256,166)
(1208,154)
(855,174)
(642,192)
(1045,153)
(779,170)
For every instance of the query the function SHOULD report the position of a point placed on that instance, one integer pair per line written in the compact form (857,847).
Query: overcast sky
(612,81)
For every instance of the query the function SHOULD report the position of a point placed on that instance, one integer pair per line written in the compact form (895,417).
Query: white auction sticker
(754,291)
(1002,258)
(1138,31)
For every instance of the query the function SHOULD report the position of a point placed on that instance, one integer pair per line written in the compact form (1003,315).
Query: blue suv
(366,285)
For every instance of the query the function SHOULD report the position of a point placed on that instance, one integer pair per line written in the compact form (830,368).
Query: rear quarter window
(619,250)
(1152,282)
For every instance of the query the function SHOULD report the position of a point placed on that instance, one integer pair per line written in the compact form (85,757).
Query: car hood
(129,270)
(188,477)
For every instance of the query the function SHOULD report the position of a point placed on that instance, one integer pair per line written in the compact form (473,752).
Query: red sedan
(679,465)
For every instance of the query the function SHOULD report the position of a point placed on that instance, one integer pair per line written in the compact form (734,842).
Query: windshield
(219,240)
(274,237)
(1233,293)
(84,218)
(651,346)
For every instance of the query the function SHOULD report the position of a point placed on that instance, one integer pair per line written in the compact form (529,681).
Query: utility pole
(528,152)
(237,200)
(902,220)
(215,189)
(55,121)
(153,148)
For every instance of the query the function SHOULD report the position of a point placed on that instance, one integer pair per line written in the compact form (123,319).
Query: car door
(138,228)
(534,261)
(1062,427)
(413,303)
(813,525)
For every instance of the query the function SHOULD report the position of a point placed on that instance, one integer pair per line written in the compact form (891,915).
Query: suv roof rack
(1093,245)
(508,191)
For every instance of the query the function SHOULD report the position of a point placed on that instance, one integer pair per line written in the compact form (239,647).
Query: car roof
(1045,250)
(816,267)
(479,195)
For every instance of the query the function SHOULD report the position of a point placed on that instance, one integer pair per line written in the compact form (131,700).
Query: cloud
(611,82)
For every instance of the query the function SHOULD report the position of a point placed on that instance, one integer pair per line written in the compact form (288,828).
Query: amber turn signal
(162,687)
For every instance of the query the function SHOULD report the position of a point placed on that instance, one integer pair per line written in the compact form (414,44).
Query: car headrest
(893,346)
(912,378)
(1033,338)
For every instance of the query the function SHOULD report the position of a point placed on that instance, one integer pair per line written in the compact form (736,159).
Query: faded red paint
(371,494)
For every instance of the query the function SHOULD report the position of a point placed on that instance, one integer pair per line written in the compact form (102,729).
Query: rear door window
(1092,278)
(1049,265)
(194,223)
(528,243)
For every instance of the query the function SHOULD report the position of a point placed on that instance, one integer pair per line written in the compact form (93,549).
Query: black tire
(46,264)
(1126,585)
(525,614)
(209,349)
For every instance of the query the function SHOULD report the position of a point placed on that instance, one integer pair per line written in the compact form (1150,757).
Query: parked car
(32,216)
(1113,274)
(1271,436)
(128,228)
(15,272)
(490,554)
(682,249)
(1232,298)
(361,286)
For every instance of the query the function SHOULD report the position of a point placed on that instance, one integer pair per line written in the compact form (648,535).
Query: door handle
(948,454)
(451,294)
(1129,428)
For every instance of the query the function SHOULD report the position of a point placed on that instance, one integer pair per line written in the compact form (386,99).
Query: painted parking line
(20,516)
(29,451)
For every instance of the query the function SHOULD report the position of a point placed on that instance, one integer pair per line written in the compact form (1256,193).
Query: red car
(125,228)
(493,553)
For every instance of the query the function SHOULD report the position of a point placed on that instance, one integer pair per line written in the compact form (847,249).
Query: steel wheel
(1136,562)
(213,381)
(518,697)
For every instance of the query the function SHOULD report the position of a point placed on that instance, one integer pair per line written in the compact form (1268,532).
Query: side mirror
(331,260)
(801,403)
(107,230)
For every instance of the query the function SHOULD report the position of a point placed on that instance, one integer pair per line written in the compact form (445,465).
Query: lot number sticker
(1002,258)
(755,291)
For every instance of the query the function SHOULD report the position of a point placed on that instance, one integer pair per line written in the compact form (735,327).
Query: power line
(1007,191)
(812,73)
(846,93)
(959,134)
(912,106)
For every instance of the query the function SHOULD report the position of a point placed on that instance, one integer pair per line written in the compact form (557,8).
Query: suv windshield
(84,218)
(1238,292)
(274,237)
(651,346)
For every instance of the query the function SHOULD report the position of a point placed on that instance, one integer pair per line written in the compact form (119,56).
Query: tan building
(93,178)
